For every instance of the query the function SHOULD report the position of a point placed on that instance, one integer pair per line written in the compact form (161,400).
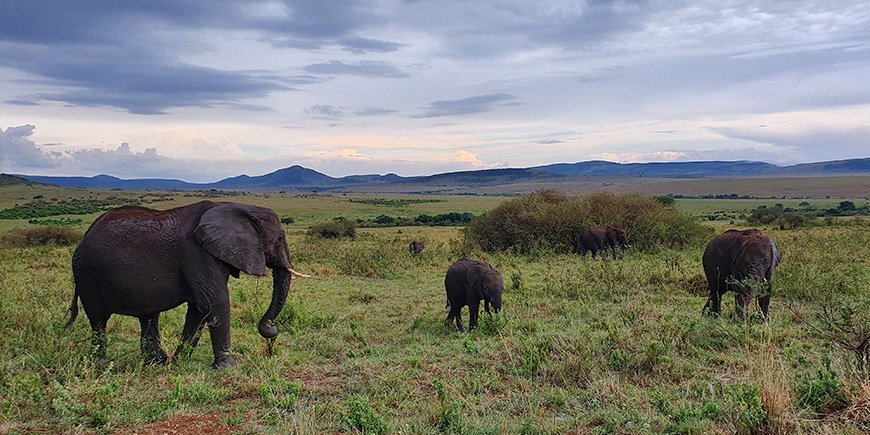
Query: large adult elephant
(595,239)
(139,262)
(742,262)
(467,283)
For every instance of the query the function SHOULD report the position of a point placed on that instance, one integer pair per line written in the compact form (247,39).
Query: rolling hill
(301,178)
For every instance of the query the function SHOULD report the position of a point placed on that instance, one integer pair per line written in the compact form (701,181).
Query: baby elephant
(595,239)
(467,282)
(742,262)
(416,248)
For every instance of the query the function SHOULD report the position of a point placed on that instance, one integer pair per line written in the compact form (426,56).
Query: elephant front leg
(150,340)
(741,302)
(219,331)
(473,311)
(194,323)
(764,305)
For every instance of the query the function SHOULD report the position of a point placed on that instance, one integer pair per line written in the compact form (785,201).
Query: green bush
(287,220)
(548,220)
(362,417)
(333,230)
(822,394)
(53,236)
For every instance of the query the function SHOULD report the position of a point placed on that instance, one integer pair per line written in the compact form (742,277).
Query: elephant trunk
(280,287)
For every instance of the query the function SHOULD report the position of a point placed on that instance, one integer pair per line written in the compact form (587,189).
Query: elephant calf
(742,262)
(467,283)
(416,248)
(595,239)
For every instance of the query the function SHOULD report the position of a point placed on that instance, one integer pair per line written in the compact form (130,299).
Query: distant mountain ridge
(299,177)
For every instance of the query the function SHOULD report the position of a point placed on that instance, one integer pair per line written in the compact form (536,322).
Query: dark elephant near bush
(139,262)
(742,262)
(467,283)
(595,239)
(416,248)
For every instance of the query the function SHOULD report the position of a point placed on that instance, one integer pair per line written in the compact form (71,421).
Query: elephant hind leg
(456,314)
(150,340)
(98,339)
(194,323)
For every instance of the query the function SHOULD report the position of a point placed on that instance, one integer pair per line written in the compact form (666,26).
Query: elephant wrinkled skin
(139,262)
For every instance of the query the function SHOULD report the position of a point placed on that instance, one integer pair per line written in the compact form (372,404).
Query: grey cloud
(366,45)
(372,111)
(550,141)
(363,68)
(325,110)
(139,82)
(465,106)
(21,102)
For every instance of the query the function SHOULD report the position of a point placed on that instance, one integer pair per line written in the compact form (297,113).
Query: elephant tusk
(297,274)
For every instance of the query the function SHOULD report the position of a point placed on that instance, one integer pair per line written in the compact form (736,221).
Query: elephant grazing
(139,262)
(595,239)
(416,248)
(467,283)
(743,262)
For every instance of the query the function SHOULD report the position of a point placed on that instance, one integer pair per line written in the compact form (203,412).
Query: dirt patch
(181,424)
(37,266)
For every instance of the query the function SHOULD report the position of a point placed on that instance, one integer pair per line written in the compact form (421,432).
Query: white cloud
(342,154)
(467,158)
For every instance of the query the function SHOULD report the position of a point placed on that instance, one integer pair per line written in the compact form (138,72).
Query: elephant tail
(73,309)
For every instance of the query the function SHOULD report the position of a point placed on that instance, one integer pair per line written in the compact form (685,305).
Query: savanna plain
(583,345)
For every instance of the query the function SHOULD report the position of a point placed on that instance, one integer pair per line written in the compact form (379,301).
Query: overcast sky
(205,90)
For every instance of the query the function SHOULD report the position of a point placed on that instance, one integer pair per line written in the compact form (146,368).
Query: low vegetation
(549,219)
(338,227)
(47,236)
(451,219)
(401,202)
(803,215)
(582,346)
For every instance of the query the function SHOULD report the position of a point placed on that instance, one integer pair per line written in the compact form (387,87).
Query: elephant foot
(224,361)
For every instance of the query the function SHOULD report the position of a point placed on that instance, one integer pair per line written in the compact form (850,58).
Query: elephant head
(249,239)
(486,283)
(616,236)
(743,262)
(757,258)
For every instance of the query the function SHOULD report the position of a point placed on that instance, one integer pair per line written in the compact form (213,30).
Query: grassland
(585,346)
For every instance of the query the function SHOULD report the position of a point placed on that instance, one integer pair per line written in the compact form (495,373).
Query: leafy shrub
(287,220)
(822,393)
(362,417)
(53,236)
(333,230)
(549,219)
(747,412)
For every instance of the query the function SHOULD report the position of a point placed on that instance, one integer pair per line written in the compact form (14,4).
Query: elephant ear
(775,256)
(229,234)
(474,280)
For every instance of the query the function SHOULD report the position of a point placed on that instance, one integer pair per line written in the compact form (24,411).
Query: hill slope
(299,177)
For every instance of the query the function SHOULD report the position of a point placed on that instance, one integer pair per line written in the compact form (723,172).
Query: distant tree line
(341,227)
(450,219)
(804,215)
